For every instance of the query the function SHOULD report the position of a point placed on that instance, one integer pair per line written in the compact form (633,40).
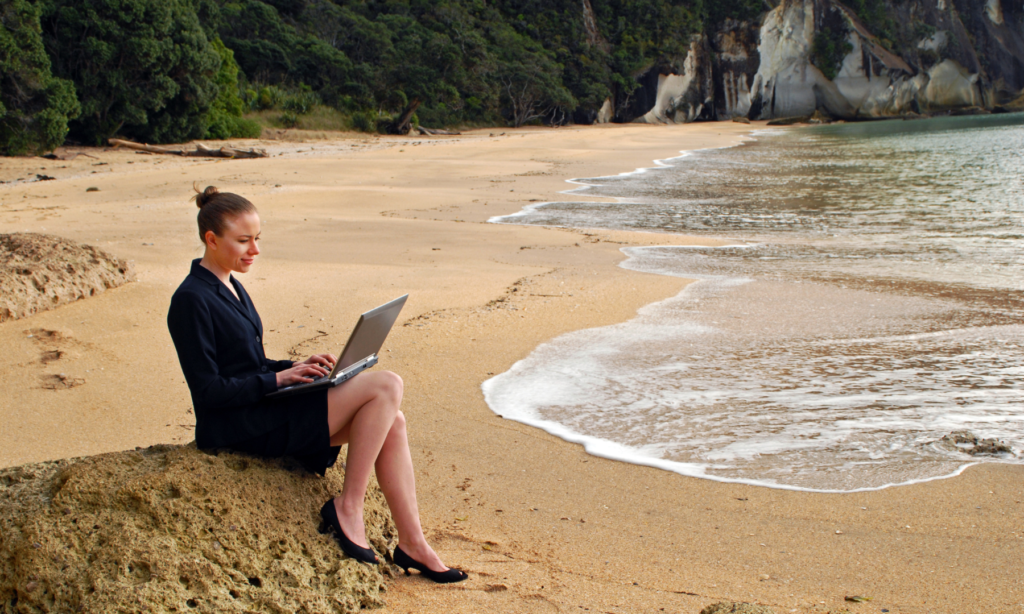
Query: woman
(218,336)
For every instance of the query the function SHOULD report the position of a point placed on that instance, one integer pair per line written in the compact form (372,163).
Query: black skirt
(304,435)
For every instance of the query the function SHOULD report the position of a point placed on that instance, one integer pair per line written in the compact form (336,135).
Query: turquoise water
(872,304)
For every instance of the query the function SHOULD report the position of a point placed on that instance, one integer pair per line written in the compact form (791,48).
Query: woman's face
(237,249)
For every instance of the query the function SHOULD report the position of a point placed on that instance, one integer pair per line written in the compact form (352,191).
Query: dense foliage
(34,106)
(875,15)
(467,61)
(142,68)
(173,70)
(225,117)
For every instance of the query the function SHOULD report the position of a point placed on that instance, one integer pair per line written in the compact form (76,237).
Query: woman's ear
(211,239)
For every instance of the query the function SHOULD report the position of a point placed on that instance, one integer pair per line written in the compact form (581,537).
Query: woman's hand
(304,372)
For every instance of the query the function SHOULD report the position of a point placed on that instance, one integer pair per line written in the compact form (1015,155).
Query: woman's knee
(390,385)
(399,423)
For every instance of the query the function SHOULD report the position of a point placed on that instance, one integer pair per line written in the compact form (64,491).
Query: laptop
(360,352)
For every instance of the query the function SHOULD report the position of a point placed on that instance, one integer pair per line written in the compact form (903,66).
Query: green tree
(34,106)
(142,68)
(273,50)
(225,119)
(530,80)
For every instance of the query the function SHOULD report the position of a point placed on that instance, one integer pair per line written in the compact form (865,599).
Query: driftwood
(432,131)
(403,124)
(66,156)
(201,151)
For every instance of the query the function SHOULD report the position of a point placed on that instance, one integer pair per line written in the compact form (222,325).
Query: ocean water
(871,303)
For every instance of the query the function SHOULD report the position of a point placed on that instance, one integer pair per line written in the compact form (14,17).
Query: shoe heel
(403,560)
(441,577)
(330,518)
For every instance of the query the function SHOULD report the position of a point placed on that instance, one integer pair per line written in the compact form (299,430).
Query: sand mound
(174,529)
(40,272)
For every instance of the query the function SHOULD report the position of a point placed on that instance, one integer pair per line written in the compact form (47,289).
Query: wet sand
(541,526)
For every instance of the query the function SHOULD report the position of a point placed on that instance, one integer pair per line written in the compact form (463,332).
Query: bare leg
(398,483)
(364,413)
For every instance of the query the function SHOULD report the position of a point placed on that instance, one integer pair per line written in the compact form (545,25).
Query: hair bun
(204,197)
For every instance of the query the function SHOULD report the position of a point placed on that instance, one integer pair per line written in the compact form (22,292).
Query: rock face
(787,83)
(913,57)
(687,96)
(736,61)
(817,55)
(40,272)
(174,529)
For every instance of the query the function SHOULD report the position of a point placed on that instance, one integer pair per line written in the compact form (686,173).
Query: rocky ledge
(175,529)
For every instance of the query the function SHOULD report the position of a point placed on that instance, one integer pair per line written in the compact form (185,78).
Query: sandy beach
(353,220)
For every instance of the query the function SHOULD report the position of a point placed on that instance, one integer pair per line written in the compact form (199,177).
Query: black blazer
(219,340)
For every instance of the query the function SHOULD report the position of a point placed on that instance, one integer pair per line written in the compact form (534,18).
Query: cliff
(171,528)
(917,56)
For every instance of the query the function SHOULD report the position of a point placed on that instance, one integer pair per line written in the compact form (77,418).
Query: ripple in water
(874,307)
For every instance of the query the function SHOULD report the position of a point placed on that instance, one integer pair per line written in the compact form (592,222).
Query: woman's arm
(279,365)
(194,339)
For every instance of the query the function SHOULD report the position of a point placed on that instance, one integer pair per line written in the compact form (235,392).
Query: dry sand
(540,525)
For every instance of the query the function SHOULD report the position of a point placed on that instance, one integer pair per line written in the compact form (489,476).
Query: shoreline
(659,164)
(558,356)
(539,523)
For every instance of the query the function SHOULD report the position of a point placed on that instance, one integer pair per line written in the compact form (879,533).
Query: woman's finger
(317,370)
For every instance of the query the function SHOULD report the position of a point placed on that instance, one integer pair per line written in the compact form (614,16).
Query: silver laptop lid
(369,334)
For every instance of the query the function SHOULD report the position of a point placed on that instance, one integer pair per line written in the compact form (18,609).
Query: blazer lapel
(243,303)
(250,310)
(237,303)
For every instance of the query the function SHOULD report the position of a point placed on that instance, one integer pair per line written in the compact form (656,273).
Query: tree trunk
(402,125)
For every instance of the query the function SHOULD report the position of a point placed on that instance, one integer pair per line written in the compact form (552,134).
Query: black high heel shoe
(330,517)
(405,561)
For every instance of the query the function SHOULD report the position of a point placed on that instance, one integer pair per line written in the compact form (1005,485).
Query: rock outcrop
(174,529)
(787,83)
(686,95)
(807,56)
(736,61)
(801,71)
(40,272)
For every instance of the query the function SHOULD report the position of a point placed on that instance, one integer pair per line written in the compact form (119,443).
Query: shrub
(364,121)
(828,50)
(289,119)
(266,98)
(300,102)
(229,126)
